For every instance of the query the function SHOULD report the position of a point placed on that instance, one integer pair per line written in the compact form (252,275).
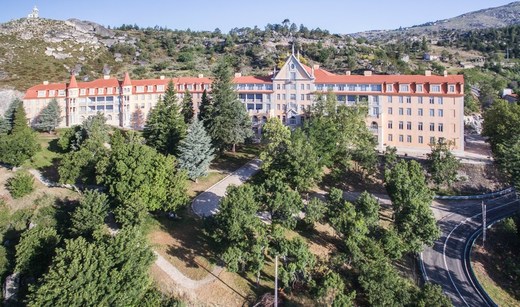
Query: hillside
(495,17)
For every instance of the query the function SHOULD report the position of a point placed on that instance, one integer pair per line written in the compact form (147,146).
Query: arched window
(374,125)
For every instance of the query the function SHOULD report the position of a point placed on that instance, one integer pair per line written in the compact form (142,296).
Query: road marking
(448,237)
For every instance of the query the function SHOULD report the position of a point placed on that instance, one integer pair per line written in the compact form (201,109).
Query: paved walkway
(181,279)
(206,204)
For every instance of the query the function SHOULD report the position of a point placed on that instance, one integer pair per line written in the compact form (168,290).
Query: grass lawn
(496,266)
(49,151)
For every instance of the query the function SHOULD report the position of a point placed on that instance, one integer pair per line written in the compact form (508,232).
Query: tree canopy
(49,118)
(195,151)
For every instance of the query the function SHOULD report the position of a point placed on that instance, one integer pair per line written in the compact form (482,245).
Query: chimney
(316,67)
(106,77)
(201,76)
(45,82)
(348,73)
(161,77)
(238,75)
(427,73)
(445,73)
(367,73)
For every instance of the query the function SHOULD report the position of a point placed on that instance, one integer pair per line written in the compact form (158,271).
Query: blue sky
(337,16)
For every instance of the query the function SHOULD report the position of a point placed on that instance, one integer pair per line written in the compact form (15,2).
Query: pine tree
(137,120)
(165,127)
(205,108)
(10,112)
(229,122)
(49,118)
(4,126)
(187,107)
(195,151)
(20,144)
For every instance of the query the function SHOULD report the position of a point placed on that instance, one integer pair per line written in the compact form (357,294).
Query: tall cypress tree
(229,122)
(195,151)
(165,126)
(10,112)
(49,118)
(187,107)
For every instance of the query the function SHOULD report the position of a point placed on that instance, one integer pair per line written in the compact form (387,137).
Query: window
(308,96)
(61,93)
(401,111)
(421,139)
(432,127)
(149,88)
(390,124)
(293,75)
(302,97)
(293,86)
(91,91)
(82,91)
(408,111)
(52,93)
(292,65)
(432,100)
(408,99)
(401,138)
(440,113)
(390,138)
(278,86)
(432,140)
(278,96)
(440,127)
(389,111)
(401,124)
(302,86)
(408,125)
(420,112)
(419,88)
(420,126)
(308,86)
(100,91)
(436,88)
(408,138)
(389,87)
(451,88)
(401,98)
(284,97)
(110,90)
(41,93)
(139,89)
(419,100)
(293,97)
(432,112)
(439,100)
(160,88)
(390,99)
(404,88)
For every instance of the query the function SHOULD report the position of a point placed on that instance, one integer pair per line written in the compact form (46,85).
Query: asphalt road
(445,263)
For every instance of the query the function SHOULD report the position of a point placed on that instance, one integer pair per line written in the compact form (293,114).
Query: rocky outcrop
(473,124)
(6,97)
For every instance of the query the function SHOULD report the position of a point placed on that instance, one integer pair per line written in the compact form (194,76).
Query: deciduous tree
(443,165)
(137,120)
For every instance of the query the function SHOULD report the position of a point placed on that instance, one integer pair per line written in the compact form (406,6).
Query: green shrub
(20,185)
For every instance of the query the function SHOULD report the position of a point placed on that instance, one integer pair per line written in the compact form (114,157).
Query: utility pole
(483,223)
(276,281)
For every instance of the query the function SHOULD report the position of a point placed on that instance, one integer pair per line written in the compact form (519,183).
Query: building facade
(405,111)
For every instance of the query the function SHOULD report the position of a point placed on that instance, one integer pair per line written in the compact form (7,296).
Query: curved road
(445,263)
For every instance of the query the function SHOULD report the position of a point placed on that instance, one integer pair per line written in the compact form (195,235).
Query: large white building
(405,111)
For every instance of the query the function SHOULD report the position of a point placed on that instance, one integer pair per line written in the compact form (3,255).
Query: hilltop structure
(405,111)
(35,13)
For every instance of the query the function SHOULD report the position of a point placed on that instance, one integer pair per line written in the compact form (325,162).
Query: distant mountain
(495,17)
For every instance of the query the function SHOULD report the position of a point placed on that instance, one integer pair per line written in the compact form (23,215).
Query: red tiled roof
(253,79)
(73,83)
(126,80)
(32,92)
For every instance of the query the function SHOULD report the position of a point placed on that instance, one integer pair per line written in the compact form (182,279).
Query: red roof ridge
(127,81)
(73,83)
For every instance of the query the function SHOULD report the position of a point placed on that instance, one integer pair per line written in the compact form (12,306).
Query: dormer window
(149,88)
(436,88)
(52,93)
(419,88)
(110,90)
(404,88)
(41,93)
(160,88)
(100,91)
(91,91)
(389,87)
(140,89)
(451,88)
